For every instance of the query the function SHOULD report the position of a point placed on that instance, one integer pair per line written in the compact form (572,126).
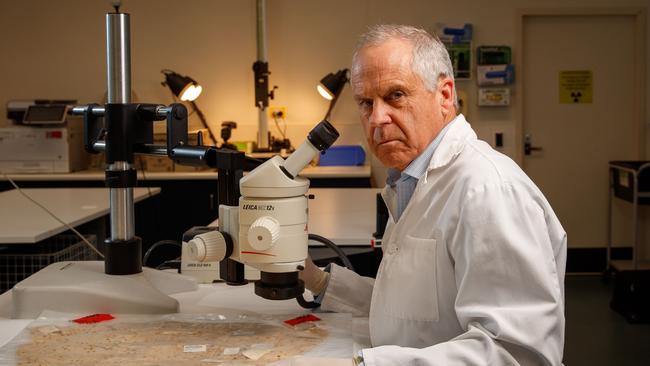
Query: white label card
(191,348)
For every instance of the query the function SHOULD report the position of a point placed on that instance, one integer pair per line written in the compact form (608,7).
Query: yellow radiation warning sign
(575,86)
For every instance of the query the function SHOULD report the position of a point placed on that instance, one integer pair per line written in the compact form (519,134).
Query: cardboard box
(157,163)
(189,168)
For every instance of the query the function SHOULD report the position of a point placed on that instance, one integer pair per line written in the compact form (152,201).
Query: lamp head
(184,87)
(332,84)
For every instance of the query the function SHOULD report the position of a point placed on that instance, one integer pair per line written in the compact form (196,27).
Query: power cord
(282,132)
(344,258)
(156,245)
(172,264)
(53,216)
(156,222)
(330,244)
(144,177)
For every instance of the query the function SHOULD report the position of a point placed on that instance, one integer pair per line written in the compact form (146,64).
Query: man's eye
(396,95)
(365,103)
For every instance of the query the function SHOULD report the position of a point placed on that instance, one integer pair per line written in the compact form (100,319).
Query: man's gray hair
(430,57)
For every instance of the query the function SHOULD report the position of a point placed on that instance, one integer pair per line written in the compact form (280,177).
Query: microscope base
(83,287)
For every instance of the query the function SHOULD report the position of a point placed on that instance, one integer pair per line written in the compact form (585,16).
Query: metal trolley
(630,181)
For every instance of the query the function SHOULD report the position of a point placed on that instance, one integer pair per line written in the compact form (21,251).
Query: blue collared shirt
(404,182)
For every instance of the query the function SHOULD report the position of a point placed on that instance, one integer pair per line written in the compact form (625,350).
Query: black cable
(306,304)
(144,179)
(172,264)
(156,245)
(155,203)
(330,244)
(280,131)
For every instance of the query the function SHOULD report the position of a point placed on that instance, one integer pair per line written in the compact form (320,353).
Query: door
(578,136)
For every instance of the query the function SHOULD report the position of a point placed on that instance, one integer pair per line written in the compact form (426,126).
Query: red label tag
(54,134)
(302,319)
(95,318)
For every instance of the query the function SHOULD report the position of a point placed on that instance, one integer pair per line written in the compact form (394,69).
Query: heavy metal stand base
(84,288)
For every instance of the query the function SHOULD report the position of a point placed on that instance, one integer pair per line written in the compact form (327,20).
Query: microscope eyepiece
(323,135)
(320,138)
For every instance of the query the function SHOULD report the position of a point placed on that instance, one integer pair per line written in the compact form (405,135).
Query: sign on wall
(575,86)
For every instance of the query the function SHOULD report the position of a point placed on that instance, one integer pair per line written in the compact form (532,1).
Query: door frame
(640,67)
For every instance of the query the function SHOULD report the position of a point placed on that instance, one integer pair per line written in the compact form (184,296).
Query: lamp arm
(331,107)
(204,122)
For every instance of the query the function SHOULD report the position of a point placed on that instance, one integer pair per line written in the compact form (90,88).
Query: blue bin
(347,155)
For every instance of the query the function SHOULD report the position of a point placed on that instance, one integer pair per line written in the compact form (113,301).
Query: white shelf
(22,221)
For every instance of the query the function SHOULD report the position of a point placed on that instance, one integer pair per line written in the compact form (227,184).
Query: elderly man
(474,257)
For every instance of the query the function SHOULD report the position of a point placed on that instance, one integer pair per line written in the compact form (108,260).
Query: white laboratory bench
(22,221)
(217,298)
(346,216)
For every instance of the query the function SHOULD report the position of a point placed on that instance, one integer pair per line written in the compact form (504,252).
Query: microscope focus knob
(264,233)
(208,247)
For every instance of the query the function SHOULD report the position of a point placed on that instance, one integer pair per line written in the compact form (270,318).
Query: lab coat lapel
(452,143)
(389,195)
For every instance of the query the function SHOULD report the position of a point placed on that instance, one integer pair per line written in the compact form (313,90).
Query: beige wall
(55,49)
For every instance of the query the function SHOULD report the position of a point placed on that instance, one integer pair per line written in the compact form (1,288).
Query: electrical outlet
(498,139)
(278,112)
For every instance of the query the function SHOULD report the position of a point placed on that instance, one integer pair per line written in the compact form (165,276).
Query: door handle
(528,145)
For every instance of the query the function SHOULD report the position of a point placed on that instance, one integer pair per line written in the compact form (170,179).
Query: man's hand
(315,278)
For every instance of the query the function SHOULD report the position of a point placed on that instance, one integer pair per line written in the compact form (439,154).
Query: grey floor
(596,335)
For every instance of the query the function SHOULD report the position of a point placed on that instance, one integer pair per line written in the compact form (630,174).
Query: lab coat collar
(452,143)
(458,132)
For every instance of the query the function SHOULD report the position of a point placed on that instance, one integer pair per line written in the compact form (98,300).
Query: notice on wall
(576,86)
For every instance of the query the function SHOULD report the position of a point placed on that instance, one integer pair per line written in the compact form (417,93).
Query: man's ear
(446,88)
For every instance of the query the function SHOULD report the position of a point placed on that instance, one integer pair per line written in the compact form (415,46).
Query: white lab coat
(473,271)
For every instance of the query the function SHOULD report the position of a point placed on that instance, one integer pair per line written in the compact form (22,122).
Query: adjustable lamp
(184,87)
(187,90)
(330,88)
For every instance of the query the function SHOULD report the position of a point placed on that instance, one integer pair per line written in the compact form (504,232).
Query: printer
(42,138)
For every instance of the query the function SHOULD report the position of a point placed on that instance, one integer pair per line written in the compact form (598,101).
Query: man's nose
(380,114)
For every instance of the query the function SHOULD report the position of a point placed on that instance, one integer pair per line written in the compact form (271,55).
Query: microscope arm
(127,129)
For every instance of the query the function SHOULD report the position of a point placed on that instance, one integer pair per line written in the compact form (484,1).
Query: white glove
(321,361)
(315,278)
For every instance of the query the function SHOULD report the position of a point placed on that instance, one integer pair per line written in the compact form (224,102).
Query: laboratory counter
(186,199)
